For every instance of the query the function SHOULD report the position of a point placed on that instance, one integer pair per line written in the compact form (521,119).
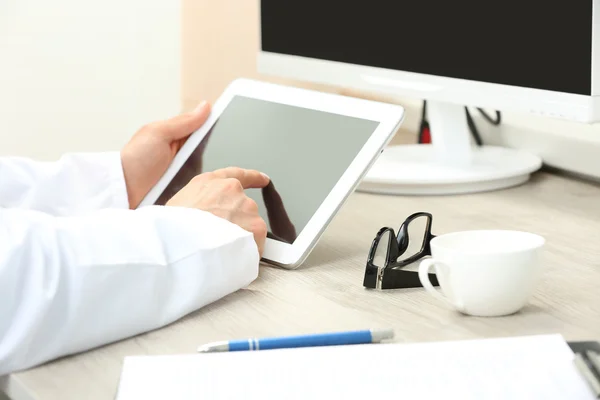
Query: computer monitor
(534,56)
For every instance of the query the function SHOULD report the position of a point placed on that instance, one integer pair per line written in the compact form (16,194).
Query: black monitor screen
(538,44)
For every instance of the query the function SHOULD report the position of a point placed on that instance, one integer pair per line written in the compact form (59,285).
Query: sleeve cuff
(116,181)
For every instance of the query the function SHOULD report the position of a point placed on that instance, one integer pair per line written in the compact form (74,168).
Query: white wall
(83,75)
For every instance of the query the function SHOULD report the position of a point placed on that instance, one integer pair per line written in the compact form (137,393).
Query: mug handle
(424,268)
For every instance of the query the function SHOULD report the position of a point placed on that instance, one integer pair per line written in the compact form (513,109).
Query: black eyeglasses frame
(392,275)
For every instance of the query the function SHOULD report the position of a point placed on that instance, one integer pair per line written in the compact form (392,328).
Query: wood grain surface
(326,293)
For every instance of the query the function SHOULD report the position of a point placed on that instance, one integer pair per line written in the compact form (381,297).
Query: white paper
(534,367)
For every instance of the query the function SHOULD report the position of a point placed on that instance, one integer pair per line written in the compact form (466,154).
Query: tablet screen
(303,151)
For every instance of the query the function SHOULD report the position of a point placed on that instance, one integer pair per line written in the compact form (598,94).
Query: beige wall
(220,40)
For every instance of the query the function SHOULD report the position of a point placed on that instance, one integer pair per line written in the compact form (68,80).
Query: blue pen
(319,339)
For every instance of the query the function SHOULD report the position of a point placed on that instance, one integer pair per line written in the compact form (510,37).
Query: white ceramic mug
(484,273)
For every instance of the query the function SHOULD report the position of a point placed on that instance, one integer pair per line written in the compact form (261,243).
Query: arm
(75,184)
(84,182)
(70,284)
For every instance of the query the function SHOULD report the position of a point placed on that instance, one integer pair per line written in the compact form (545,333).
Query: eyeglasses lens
(417,231)
(381,251)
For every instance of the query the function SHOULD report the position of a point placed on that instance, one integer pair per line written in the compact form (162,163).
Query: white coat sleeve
(75,184)
(68,284)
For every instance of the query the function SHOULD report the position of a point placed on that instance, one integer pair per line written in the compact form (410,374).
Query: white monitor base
(414,170)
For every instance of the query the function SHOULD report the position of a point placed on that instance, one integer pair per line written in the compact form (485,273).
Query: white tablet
(314,146)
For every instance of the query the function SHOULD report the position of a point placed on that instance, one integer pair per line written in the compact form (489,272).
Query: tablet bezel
(389,117)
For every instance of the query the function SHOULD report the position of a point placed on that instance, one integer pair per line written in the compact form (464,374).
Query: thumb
(183,125)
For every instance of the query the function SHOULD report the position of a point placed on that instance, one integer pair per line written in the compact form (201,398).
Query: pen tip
(382,334)
(213,347)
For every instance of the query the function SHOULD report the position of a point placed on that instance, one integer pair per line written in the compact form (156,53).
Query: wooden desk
(327,294)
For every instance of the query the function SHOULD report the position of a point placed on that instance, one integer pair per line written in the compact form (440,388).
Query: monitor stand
(451,164)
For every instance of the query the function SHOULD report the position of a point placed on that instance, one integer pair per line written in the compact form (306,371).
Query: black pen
(589,366)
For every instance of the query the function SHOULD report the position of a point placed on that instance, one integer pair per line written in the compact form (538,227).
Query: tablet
(314,146)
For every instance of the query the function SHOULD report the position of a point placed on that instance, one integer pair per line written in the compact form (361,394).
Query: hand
(151,150)
(221,193)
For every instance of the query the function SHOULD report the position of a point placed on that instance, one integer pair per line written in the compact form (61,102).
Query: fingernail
(265,175)
(200,106)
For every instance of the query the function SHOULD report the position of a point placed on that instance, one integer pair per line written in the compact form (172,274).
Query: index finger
(249,178)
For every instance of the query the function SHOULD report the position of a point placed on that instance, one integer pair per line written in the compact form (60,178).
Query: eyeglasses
(389,254)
